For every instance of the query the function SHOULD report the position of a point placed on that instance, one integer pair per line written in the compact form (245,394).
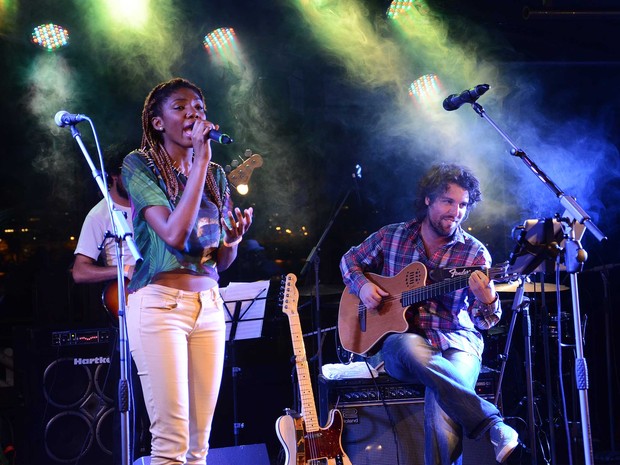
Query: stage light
(398,7)
(425,87)
(50,36)
(214,41)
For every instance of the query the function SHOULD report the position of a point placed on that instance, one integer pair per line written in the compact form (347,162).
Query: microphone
(64,118)
(454,101)
(217,136)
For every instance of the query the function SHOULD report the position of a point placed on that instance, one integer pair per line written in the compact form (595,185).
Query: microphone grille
(58,118)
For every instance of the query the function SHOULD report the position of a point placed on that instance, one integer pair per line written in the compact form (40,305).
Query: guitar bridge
(361,316)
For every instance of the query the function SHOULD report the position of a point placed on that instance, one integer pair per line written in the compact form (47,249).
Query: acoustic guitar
(361,329)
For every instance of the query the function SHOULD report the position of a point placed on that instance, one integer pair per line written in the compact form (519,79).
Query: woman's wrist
(232,243)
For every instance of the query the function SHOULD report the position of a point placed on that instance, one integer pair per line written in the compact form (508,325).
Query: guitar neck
(413,296)
(446,286)
(308,407)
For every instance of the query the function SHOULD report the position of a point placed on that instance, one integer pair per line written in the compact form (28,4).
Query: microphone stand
(313,258)
(574,256)
(122,232)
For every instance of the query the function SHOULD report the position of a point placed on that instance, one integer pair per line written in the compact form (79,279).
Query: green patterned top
(146,188)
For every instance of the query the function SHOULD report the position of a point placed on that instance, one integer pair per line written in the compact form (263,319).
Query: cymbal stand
(548,372)
(521,305)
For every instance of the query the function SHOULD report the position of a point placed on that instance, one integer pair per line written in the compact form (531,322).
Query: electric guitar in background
(240,176)
(304,442)
(109,298)
(361,329)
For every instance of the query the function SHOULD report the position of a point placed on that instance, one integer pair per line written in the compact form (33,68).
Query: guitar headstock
(499,273)
(289,295)
(241,174)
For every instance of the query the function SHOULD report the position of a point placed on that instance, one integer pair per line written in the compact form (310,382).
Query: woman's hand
(237,225)
(201,141)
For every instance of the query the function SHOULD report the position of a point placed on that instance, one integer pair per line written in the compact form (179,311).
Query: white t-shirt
(94,228)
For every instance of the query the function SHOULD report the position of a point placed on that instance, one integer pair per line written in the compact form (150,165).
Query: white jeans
(177,339)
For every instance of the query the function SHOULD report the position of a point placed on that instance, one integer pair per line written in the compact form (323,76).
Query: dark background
(314,99)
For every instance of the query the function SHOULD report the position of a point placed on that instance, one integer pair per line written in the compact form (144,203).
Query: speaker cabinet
(384,434)
(69,389)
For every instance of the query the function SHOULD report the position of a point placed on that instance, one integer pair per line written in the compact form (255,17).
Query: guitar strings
(434,287)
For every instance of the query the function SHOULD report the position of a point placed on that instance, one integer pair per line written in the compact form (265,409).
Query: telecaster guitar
(361,329)
(304,442)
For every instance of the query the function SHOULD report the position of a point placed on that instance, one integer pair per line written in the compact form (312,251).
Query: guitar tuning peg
(227,169)
(247,153)
(234,163)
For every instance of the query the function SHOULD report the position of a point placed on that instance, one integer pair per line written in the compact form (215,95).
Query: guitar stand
(521,305)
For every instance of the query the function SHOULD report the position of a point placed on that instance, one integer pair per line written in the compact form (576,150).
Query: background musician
(443,346)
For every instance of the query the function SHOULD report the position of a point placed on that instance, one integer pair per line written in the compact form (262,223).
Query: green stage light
(50,36)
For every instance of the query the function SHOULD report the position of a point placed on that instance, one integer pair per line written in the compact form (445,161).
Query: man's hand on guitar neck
(372,295)
(482,287)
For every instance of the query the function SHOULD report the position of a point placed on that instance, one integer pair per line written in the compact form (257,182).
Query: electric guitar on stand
(304,442)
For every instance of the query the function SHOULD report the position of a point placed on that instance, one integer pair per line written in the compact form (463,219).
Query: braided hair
(152,140)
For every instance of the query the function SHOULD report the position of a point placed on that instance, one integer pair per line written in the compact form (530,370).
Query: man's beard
(440,231)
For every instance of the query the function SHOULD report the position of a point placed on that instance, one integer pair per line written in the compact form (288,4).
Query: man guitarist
(95,262)
(442,348)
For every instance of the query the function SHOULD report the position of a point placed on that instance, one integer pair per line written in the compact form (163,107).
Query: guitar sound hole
(413,279)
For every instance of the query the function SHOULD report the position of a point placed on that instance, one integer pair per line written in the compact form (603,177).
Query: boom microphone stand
(314,259)
(574,255)
(122,232)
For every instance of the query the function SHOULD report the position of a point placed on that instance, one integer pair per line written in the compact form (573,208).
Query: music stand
(244,311)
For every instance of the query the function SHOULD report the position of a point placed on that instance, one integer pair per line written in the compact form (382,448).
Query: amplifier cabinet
(69,383)
(386,432)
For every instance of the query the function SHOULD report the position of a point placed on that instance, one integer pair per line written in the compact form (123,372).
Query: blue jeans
(451,405)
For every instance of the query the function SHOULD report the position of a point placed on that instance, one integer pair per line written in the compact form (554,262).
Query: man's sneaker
(504,440)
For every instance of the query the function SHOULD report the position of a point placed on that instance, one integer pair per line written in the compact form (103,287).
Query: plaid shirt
(448,321)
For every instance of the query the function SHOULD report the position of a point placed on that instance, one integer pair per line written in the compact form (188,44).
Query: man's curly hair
(436,181)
